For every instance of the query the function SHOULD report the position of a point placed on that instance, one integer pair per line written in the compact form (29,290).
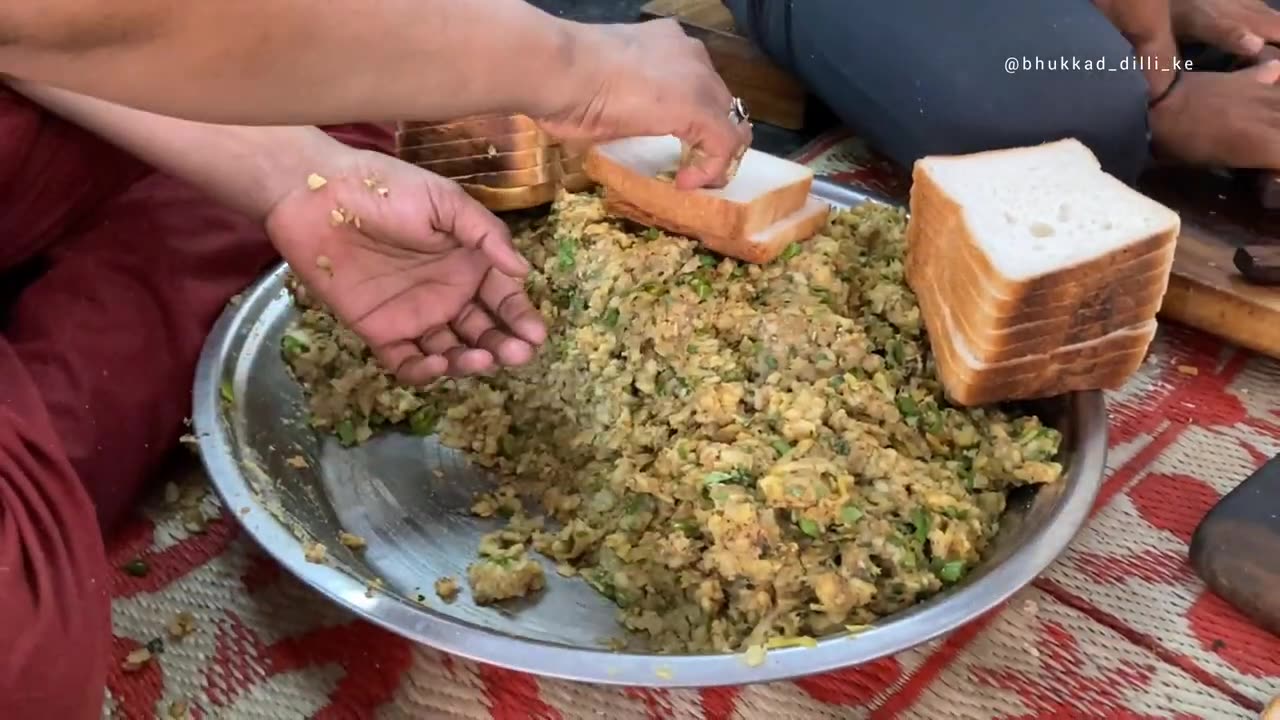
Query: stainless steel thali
(418,526)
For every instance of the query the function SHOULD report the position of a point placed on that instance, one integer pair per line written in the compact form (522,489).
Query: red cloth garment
(97,354)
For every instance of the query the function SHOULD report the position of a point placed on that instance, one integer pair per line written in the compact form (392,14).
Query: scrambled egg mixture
(732,453)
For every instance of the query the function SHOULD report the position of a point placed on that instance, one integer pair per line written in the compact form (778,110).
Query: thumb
(1267,73)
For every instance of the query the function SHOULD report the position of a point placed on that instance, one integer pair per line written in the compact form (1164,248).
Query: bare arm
(246,168)
(305,61)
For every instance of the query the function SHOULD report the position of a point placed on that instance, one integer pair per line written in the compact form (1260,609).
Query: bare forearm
(299,61)
(246,168)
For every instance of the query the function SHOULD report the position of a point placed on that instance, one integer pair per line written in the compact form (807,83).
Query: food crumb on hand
(324,263)
(1190,370)
(447,589)
(491,151)
(336,217)
(351,540)
(382,191)
(314,552)
(297,461)
(315,182)
(136,660)
(182,625)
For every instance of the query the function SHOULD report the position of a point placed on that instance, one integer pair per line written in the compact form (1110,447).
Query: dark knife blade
(1236,548)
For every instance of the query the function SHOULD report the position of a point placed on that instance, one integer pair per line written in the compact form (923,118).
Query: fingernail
(1253,43)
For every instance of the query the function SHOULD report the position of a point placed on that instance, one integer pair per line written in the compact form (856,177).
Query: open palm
(421,271)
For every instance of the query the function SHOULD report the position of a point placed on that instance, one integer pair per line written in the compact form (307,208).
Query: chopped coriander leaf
(228,391)
(423,421)
(897,352)
(701,287)
(850,514)
(346,431)
(907,406)
(780,446)
(792,250)
(951,572)
(716,478)
(137,567)
(707,261)
(611,317)
(293,345)
(809,527)
(920,520)
(652,234)
(566,252)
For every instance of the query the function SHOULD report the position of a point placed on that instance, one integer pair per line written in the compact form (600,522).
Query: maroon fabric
(96,360)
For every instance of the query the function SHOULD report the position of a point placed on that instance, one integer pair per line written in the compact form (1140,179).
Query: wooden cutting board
(771,95)
(1219,213)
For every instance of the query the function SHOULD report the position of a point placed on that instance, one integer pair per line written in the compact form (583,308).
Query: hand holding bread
(653,79)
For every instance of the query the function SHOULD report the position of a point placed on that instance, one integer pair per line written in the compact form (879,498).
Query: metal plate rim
(941,614)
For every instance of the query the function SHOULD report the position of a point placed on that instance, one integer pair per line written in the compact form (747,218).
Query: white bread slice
(413,149)
(935,232)
(1043,212)
(765,191)
(529,196)
(1070,308)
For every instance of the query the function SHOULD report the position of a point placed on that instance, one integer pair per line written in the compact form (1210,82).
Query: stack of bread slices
(504,161)
(764,207)
(1037,273)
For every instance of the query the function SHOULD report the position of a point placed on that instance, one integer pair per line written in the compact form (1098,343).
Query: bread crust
(806,223)
(499,199)
(544,173)
(1105,363)
(413,149)
(1005,344)
(477,126)
(693,213)
(497,162)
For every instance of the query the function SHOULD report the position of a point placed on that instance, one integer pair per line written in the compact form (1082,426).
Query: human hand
(1240,27)
(1229,120)
(652,79)
(1148,26)
(421,271)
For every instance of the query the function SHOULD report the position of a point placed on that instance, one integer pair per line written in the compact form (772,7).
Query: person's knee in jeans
(961,99)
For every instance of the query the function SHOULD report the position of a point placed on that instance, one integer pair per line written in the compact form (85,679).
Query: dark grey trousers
(921,77)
